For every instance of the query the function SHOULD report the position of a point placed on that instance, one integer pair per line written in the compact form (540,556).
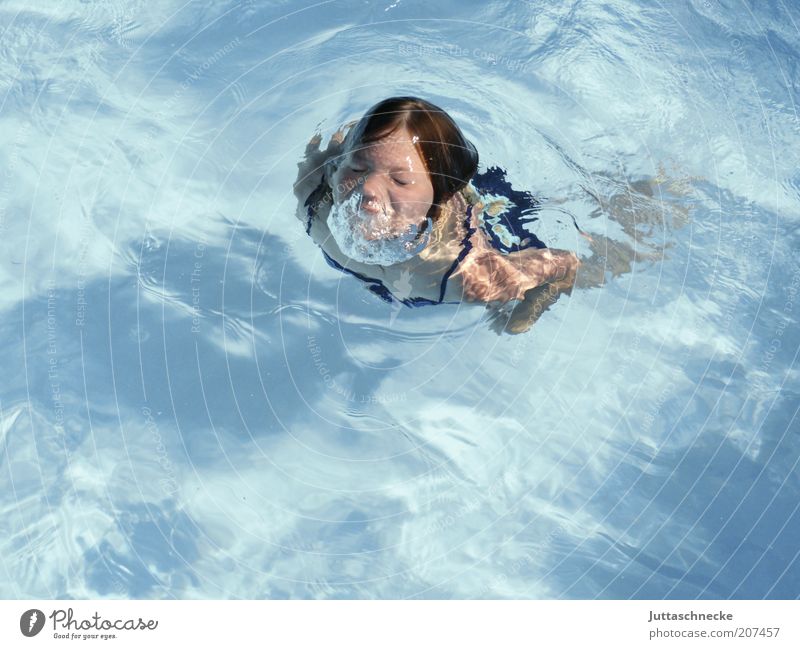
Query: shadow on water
(706,523)
(140,379)
(183,343)
(206,356)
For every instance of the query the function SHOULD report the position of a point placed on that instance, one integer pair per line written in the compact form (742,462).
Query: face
(392,178)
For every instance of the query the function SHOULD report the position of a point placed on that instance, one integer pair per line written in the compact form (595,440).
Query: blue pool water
(195,405)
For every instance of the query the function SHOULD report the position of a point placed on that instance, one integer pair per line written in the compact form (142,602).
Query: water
(195,405)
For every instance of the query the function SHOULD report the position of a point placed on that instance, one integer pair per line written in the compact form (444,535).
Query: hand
(525,314)
(314,155)
(537,300)
(342,132)
(312,147)
(311,169)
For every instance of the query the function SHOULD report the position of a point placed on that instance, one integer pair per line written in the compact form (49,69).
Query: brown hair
(450,159)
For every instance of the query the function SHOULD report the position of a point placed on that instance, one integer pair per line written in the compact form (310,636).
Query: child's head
(408,157)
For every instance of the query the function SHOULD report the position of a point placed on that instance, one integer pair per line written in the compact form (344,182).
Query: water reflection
(196,405)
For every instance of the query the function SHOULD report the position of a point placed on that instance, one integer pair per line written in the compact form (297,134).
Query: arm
(489,276)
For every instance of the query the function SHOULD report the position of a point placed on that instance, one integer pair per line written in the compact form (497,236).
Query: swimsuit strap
(466,246)
(308,221)
(375,285)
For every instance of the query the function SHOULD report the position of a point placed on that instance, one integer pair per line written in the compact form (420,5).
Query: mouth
(380,222)
(372,210)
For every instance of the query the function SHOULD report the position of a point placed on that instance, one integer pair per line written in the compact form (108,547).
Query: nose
(372,200)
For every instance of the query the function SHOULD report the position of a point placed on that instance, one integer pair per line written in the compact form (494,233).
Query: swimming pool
(196,405)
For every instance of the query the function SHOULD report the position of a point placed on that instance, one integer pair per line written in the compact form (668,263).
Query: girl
(390,201)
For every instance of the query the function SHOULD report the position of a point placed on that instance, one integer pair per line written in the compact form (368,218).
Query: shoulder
(451,223)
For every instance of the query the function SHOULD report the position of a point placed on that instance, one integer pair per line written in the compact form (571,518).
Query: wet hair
(450,159)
